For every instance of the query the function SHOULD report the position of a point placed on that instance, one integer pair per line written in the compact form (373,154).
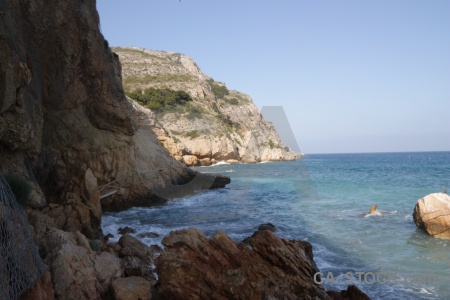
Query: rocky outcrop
(82,268)
(433,214)
(72,265)
(268,267)
(66,126)
(211,128)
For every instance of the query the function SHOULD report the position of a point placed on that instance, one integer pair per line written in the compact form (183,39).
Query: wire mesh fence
(20,263)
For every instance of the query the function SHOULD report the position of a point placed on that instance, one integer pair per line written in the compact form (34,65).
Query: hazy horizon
(352,76)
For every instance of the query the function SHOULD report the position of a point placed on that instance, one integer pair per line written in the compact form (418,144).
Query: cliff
(70,135)
(65,122)
(218,125)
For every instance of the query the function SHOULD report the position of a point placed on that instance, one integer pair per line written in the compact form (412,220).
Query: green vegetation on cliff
(159,99)
(219,90)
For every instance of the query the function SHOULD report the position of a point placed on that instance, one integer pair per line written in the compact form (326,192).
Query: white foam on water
(222,162)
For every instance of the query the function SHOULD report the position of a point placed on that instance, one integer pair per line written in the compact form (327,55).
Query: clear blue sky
(352,76)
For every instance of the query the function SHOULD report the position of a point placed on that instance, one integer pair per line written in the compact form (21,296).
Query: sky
(351,76)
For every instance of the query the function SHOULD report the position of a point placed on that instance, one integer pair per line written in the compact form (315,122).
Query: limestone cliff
(213,127)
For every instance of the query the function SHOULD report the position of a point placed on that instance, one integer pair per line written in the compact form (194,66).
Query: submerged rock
(267,226)
(126,230)
(433,214)
(195,267)
(151,235)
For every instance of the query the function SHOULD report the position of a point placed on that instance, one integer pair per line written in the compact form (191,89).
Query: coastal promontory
(205,122)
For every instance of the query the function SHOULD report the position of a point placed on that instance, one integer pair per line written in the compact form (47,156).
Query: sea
(323,198)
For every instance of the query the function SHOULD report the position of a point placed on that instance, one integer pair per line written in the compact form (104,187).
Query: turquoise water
(320,198)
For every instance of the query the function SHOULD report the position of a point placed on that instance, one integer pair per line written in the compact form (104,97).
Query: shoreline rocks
(432,213)
(193,266)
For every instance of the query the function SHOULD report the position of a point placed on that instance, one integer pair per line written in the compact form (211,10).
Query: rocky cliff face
(210,129)
(68,131)
(65,123)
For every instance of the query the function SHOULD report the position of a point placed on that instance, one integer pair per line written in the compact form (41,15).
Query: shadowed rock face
(433,214)
(65,123)
(195,267)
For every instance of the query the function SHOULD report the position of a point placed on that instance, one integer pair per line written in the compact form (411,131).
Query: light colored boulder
(232,161)
(433,214)
(190,160)
(205,161)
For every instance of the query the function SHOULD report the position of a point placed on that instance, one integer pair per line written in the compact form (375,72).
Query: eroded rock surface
(432,213)
(195,267)
(131,288)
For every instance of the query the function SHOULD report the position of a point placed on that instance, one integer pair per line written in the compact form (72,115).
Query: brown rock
(131,288)
(131,246)
(433,214)
(194,267)
(42,290)
(72,265)
(107,269)
(136,258)
(78,272)
(352,293)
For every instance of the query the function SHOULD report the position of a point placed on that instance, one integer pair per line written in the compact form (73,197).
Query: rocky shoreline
(191,266)
(73,145)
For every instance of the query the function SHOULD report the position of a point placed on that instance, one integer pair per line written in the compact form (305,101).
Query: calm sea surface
(320,198)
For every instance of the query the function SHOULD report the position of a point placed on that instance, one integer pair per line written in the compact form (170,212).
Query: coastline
(321,203)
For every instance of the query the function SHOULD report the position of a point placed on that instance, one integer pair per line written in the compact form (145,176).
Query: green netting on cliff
(20,263)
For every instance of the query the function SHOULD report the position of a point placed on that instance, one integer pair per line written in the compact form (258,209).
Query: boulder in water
(432,213)
(267,226)
(126,230)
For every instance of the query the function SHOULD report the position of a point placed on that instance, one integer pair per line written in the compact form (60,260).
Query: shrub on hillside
(159,99)
(220,91)
(192,134)
(232,101)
